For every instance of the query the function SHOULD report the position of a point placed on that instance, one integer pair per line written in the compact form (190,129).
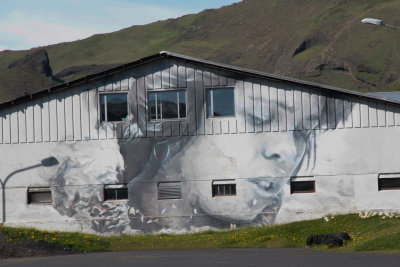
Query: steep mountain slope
(320,41)
(26,74)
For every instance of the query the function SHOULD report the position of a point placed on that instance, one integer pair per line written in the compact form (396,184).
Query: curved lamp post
(377,22)
(47,162)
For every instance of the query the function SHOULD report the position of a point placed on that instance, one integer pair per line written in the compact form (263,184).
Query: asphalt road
(223,257)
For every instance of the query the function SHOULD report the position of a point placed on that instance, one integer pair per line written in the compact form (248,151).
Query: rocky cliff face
(26,75)
(37,61)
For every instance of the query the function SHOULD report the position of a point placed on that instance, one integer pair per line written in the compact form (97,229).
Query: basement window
(167,104)
(169,190)
(389,181)
(115,192)
(39,195)
(305,184)
(114,107)
(220,102)
(223,188)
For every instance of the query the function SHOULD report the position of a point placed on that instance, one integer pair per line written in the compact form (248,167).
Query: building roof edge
(167,54)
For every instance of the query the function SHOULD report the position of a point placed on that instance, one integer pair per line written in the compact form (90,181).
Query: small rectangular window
(115,192)
(223,188)
(39,195)
(169,190)
(220,102)
(389,181)
(168,104)
(114,107)
(302,185)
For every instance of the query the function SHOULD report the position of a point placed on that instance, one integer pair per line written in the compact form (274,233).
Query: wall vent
(169,190)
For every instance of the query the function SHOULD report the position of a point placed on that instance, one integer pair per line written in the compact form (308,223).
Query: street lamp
(47,162)
(378,22)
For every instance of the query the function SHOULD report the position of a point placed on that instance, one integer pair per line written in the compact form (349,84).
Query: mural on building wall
(272,138)
(260,164)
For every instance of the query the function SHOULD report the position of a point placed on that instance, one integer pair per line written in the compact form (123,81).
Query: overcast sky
(30,23)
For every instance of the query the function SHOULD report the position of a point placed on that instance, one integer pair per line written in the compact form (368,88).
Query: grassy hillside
(320,41)
(368,232)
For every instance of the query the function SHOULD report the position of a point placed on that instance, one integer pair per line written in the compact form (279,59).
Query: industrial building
(173,143)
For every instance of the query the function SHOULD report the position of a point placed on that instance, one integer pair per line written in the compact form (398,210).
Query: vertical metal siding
(60,100)
(260,106)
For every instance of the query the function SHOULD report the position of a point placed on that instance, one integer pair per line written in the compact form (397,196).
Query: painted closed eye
(273,156)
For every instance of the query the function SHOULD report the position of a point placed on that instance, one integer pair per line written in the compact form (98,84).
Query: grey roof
(388,95)
(166,54)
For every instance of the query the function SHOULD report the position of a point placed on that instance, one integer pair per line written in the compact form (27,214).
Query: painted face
(260,164)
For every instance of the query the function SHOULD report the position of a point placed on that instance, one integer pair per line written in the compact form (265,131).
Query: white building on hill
(174,143)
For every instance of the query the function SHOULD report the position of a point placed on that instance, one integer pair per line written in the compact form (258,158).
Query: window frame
(212,102)
(302,179)
(388,176)
(177,90)
(115,187)
(39,189)
(223,182)
(105,107)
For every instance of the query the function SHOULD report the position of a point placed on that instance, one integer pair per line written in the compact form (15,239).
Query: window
(220,102)
(169,104)
(302,185)
(115,192)
(114,107)
(169,190)
(39,195)
(389,181)
(223,188)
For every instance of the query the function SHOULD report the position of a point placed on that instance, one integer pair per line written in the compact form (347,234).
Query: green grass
(375,233)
